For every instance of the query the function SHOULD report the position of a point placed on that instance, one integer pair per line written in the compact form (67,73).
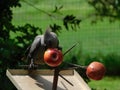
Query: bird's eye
(48,43)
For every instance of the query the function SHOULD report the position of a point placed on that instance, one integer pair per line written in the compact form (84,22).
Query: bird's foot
(32,66)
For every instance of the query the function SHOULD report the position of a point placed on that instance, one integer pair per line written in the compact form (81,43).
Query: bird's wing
(37,50)
(35,46)
(26,53)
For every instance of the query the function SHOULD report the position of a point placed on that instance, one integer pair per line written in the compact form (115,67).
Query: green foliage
(107,83)
(111,62)
(72,21)
(6,17)
(106,8)
(26,34)
(56,28)
(6,44)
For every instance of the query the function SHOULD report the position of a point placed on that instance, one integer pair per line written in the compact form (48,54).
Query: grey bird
(35,52)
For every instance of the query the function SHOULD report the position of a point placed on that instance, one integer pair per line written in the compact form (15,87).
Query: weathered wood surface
(43,80)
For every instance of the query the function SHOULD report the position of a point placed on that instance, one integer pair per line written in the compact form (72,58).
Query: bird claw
(32,66)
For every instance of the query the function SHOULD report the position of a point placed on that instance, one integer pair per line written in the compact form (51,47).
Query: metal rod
(70,48)
(66,80)
(76,65)
(55,80)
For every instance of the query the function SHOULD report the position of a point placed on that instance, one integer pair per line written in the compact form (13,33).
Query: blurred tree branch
(106,8)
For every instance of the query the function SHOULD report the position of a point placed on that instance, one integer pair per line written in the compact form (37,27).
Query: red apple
(95,70)
(53,57)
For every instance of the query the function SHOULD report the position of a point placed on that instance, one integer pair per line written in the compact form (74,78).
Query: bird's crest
(47,33)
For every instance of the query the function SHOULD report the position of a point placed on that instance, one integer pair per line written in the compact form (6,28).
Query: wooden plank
(9,75)
(43,80)
(82,84)
(37,72)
